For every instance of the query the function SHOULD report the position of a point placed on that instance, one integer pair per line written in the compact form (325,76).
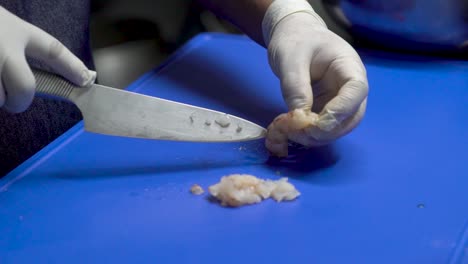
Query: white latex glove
(19,40)
(318,70)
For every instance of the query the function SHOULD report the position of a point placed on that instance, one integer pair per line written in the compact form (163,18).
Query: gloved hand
(20,39)
(319,72)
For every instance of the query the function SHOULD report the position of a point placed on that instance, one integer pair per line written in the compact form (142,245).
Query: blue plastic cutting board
(395,190)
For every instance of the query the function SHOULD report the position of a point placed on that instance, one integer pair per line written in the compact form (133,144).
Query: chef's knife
(118,112)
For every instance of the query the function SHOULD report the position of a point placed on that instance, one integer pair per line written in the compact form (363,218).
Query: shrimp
(297,125)
(196,189)
(243,189)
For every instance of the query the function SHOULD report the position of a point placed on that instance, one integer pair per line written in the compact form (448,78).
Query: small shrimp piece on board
(196,189)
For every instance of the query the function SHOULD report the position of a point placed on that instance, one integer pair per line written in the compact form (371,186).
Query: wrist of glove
(21,40)
(281,9)
(323,79)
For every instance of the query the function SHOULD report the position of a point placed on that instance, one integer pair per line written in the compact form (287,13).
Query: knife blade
(117,112)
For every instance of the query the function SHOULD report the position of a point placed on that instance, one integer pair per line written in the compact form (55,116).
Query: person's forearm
(247,15)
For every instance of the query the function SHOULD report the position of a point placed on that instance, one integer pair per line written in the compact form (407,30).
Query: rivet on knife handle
(52,85)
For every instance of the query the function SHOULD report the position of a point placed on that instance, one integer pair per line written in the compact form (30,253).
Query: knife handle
(52,85)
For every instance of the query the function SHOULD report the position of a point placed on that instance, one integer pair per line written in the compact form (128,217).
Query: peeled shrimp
(242,189)
(297,125)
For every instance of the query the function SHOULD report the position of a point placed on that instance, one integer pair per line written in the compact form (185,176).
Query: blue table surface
(395,190)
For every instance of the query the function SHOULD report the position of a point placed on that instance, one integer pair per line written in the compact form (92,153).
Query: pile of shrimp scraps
(242,189)
(297,125)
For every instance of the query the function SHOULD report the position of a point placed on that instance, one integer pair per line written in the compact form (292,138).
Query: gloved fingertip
(299,104)
(88,78)
(327,121)
(299,101)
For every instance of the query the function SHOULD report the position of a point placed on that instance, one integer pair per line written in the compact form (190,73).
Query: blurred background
(129,38)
